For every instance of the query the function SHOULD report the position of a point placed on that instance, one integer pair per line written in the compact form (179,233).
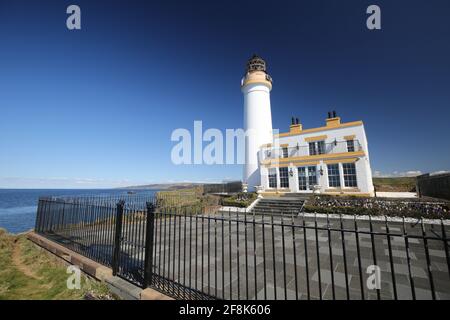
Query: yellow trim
(294,164)
(305,163)
(352,137)
(284,145)
(352,160)
(316,138)
(342,125)
(266,145)
(264,82)
(315,157)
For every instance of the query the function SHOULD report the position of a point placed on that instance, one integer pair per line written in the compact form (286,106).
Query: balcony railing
(306,150)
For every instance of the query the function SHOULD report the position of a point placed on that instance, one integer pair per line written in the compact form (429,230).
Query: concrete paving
(396,194)
(238,256)
(214,257)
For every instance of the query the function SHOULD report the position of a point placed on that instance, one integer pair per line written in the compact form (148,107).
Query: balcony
(316,149)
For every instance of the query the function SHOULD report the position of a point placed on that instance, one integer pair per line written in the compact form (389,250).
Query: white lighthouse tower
(256,86)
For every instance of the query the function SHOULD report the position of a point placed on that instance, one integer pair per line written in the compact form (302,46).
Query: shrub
(240,200)
(415,208)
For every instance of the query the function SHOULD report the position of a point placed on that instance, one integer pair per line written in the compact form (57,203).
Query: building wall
(338,133)
(362,164)
(258,127)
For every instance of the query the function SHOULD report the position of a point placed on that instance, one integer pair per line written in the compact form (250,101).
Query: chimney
(292,121)
(333,120)
(295,127)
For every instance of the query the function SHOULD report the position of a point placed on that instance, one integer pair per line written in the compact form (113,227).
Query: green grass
(190,198)
(30,272)
(181,197)
(401,184)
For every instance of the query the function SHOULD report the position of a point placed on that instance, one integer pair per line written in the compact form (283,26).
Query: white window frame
(268,178)
(339,175)
(343,175)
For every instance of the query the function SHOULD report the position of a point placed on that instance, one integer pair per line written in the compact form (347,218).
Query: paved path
(396,194)
(228,257)
(258,268)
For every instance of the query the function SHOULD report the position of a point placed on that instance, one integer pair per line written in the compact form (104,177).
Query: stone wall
(436,186)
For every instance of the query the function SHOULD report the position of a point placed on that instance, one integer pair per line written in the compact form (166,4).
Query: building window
(307,177)
(312,148)
(317,147)
(285,152)
(350,145)
(272,177)
(284,178)
(302,184)
(334,180)
(312,176)
(349,170)
(320,147)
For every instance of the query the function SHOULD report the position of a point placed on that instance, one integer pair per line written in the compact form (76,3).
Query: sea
(18,206)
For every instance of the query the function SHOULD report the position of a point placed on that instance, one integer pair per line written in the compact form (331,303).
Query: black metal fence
(111,230)
(240,255)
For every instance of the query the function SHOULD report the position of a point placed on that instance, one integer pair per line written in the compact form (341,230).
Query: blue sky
(96,107)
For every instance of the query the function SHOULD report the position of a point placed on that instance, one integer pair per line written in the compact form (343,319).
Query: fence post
(37,224)
(117,236)
(148,263)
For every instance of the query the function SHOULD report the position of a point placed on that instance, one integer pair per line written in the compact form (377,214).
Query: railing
(84,227)
(241,255)
(304,150)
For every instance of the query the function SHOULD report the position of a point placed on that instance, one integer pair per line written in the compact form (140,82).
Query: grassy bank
(30,272)
(401,184)
(192,198)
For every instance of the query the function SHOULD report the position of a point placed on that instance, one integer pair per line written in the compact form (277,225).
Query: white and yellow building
(331,159)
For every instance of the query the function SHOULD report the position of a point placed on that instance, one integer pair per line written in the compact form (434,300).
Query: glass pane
(321,147)
(284,178)
(302,178)
(272,178)
(350,145)
(312,176)
(333,175)
(349,170)
(312,148)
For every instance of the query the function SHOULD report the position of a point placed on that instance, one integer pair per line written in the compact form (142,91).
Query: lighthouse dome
(256,63)
(256,72)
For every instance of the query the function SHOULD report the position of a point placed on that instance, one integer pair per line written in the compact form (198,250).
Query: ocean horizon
(18,206)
